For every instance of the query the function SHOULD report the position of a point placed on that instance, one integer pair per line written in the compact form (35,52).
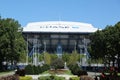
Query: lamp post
(75,46)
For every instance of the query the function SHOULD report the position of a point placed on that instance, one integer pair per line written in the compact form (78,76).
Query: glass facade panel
(54,36)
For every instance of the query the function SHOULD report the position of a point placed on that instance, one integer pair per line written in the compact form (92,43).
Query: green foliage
(58,64)
(105,44)
(26,78)
(73,57)
(74,78)
(45,67)
(47,58)
(52,77)
(36,69)
(23,57)
(11,39)
(66,57)
(75,69)
(41,57)
(31,69)
(53,57)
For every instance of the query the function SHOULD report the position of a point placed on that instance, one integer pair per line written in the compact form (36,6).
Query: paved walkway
(91,74)
(6,74)
(35,77)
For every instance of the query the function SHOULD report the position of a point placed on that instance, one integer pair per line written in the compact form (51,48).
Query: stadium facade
(57,36)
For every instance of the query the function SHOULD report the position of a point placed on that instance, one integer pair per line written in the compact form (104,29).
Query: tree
(97,45)
(117,42)
(74,56)
(47,58)
(66,57)
(41,57)
(11,39)
(58,64)
(106,43)
(53,57)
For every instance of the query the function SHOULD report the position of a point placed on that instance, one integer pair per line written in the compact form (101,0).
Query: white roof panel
(59,26)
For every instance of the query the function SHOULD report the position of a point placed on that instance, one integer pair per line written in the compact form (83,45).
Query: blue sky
(99,13)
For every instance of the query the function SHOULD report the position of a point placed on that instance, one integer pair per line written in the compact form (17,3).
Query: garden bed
(60,71)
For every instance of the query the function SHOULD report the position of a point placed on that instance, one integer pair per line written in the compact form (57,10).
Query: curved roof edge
(59,26)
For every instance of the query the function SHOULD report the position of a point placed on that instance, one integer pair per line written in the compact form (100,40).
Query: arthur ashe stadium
(57,36)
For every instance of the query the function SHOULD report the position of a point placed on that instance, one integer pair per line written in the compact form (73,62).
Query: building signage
(54,26)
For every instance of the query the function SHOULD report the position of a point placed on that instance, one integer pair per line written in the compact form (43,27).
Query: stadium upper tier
(59,26)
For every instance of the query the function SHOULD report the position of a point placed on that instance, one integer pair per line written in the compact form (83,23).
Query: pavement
(91,74)
(7,74)
(35,77)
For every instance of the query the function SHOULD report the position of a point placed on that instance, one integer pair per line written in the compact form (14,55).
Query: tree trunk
(118,62)
(1,66)
(113,62)
(109,63)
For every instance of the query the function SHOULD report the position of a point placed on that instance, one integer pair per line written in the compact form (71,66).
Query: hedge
(31,69)
(26,78)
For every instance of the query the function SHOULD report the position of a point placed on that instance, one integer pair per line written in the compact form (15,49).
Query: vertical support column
(85,53)
(75,45)
(35,58)
(44,46)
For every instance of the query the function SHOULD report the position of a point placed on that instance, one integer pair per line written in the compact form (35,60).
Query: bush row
(25,78)
(31,69)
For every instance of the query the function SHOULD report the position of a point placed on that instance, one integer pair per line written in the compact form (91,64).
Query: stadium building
(57,37)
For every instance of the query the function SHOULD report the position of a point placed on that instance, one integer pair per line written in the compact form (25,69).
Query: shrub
(52,77)
(39,69)
(26,78)
(20,72)
(74,78)
(82,72)
(45,67)
(58,64)
(75,69)
(36,69)
(29,69)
